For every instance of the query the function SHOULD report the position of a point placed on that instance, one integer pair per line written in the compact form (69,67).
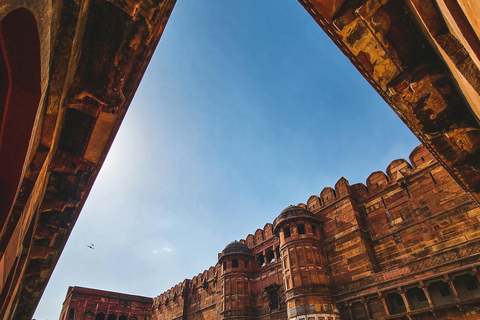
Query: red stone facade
(69,70)
(91,304)
(404,246)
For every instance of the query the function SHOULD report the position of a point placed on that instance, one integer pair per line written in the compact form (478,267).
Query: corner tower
(304,265)
(236,262)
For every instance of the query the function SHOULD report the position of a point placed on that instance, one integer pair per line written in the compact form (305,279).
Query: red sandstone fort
(404,246)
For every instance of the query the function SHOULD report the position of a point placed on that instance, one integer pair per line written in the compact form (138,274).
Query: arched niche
(20,92)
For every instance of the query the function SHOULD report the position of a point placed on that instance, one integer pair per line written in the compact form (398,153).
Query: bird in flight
(91,246)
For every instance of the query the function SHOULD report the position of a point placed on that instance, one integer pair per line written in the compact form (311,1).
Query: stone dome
(292,212)
(236,247)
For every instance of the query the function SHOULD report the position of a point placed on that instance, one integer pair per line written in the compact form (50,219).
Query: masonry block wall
(405,245)
(242,285)
(422,236)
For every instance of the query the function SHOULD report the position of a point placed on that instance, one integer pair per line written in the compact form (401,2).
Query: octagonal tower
(237,262)
(304,265)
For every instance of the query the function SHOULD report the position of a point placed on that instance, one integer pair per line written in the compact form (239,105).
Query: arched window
(261,260)
(416,298)
(440,293)
(301,228)
(112,317)
(395,303)
(122,317)
(286,232)
(467,287)
(273,299)
(358,311)
(270,256)
(344,313)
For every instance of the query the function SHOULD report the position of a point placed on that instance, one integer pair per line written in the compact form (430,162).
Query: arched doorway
(20,92)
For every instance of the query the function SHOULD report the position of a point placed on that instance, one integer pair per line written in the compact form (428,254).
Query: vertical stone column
(307,282)
(452,288)
(405,300)
(275,253)
(476,272)
(424,287)
(382,298)
(349,307)
(365,305)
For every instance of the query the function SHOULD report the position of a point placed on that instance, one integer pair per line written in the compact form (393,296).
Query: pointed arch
(20,92)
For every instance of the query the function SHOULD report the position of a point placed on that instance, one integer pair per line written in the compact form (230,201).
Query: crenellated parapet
(353,216)
(328,258)
(378,181)
(176,295)
(172,295)
(260,236)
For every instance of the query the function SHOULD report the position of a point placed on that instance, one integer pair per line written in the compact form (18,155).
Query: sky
(246,108)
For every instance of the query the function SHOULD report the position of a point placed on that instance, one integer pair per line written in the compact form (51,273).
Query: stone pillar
(385,306)
(275,253)
(405,300)
(365,305)
(424,287)
(476,273)
(452,288)
(349,307)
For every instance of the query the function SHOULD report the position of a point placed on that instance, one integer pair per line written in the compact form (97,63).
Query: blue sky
(246,107)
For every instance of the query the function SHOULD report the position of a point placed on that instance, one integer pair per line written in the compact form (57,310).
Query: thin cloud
(164,250)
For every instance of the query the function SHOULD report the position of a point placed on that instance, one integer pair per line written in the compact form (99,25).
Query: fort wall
(382,240)
(406,243)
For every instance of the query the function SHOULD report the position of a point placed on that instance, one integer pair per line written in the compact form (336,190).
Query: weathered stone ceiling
(100,50)
(423,63)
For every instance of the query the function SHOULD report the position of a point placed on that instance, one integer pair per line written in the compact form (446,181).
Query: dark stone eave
(84,108)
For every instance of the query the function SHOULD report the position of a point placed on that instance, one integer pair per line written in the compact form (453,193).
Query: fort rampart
(405,244)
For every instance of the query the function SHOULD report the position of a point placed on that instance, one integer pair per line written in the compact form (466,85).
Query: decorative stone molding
(307,291)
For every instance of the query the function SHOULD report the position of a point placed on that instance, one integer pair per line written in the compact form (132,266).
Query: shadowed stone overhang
(93,55)
(422,57)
